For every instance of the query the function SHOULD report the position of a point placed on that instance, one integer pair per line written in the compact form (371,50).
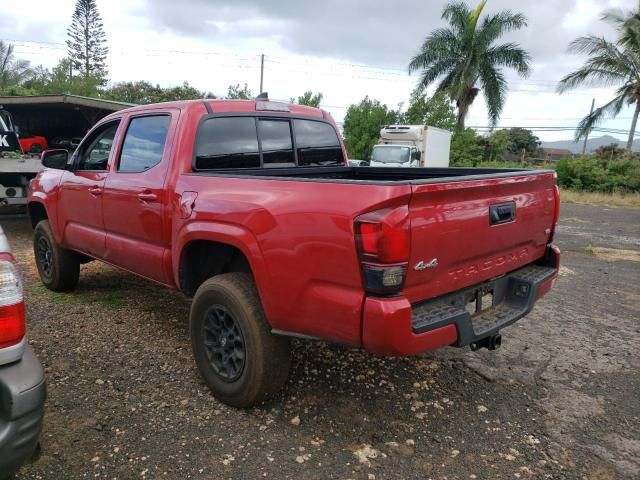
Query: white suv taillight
(12,321)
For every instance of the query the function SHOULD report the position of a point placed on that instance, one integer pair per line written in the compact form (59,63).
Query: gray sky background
(347,49)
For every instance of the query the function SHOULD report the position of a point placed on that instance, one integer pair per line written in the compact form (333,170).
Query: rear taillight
(556,212)
(12,321)
(383,247)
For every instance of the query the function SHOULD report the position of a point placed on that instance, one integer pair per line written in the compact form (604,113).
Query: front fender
(43,190)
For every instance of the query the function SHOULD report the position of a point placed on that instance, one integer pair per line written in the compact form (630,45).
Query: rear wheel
(59,269)
(241,361)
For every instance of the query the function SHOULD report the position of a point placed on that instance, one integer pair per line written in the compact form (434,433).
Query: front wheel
(59,269)
(241,361)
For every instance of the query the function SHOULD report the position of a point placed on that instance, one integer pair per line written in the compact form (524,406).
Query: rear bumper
(392,326)
(22,395)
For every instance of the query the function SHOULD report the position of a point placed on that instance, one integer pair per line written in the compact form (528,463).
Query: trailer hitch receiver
(491,342)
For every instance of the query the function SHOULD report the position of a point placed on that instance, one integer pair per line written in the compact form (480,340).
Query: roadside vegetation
(611,200)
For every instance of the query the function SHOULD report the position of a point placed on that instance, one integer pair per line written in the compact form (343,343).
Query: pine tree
(86,41)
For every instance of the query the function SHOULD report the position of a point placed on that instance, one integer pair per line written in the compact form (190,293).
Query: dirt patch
(615,254)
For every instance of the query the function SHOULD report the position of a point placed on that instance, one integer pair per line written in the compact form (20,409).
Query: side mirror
(57,159)
(418,155)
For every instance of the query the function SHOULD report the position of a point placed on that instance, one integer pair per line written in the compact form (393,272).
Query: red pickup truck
(250,208)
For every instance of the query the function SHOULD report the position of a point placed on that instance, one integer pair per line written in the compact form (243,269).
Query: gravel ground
(560,399)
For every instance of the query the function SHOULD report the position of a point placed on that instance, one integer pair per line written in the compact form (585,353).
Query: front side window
(317,143)
(227,143)
(143,144)
(95,155)
(277,147)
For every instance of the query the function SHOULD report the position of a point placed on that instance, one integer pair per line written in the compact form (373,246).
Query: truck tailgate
(470,231)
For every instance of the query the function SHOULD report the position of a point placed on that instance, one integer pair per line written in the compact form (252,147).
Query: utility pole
(586,137)
(261,72)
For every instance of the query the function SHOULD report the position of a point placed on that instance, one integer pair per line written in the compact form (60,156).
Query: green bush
(595,174)
(465,149)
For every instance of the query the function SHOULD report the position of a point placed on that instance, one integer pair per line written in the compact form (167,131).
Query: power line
(251,58)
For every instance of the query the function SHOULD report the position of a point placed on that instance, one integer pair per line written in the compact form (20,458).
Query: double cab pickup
(250,208)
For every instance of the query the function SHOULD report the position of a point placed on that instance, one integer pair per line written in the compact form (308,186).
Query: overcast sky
(345,48)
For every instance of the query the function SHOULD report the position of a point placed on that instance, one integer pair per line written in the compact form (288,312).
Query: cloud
(375,32)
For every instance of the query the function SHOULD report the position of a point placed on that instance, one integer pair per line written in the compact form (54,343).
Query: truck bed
(379,175)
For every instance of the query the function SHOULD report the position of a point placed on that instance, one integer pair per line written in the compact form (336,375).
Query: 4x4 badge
(421,265)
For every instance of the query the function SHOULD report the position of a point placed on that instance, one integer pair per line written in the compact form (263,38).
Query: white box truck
(412,146)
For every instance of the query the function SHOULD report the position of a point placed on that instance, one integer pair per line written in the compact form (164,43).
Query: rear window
(317,143)
(253,142)
(227,143)
(277,146)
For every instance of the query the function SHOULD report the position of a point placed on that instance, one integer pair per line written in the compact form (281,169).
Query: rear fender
(234,235)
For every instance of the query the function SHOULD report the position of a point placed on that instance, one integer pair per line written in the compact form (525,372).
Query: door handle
(95,191)
(147,196)
(503,213)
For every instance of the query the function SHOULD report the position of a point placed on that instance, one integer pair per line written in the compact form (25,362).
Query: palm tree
(12,71)
(609,64)
(467,57)
(627,23)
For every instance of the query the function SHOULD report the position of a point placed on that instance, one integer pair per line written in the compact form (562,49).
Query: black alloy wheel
(224,343)
(45,257)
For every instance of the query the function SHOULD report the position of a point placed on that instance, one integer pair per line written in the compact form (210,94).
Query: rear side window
(277,146)
(143,144)
(227,143)
(317,143)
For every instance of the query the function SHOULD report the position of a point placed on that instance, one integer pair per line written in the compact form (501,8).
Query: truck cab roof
(233,106)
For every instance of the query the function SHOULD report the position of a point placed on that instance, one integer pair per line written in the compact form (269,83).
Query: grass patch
(573,220)
(589,250)
(108,299)
(616,254)
(613,200)
(113,300)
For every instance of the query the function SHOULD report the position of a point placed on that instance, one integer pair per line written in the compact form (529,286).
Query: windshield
(390,154)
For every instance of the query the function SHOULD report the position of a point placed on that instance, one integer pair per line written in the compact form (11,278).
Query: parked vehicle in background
(16,168)
(34,144)
(250,208)
(22,382)
(357,163)
(15,173)
(66,143)
(412,146)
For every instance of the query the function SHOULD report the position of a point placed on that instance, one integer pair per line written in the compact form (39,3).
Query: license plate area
(479,301)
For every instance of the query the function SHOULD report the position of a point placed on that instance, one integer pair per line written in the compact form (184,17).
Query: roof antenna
(263,96)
